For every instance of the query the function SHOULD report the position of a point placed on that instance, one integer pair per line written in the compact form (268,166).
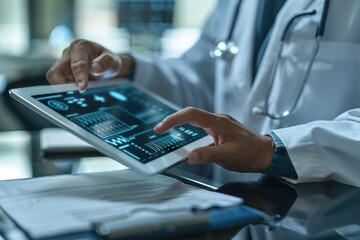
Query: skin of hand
(84,60)
(235,147)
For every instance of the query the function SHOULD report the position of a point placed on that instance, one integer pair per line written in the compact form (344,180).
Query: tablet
(117,118)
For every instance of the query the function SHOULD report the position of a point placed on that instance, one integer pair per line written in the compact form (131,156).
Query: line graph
(102,124)
(164,142)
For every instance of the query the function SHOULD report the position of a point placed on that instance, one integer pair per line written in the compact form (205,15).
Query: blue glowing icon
(58,105)
(79,101)
(98,98)
(118,96)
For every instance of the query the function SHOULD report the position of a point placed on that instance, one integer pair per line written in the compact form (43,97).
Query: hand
(83,60)
(235,147)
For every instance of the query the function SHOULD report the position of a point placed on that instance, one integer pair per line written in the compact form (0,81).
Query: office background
(33,34)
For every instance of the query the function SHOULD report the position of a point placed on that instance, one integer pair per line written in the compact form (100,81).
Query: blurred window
(13,27)
(159,27)
(156,27)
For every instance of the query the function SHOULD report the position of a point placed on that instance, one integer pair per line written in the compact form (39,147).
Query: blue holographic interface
(124,117)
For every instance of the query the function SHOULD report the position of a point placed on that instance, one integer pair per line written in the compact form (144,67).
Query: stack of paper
(51,206)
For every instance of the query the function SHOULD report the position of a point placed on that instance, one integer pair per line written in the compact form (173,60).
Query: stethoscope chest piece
(225,50)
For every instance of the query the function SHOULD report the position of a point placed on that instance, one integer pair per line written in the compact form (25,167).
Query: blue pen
(234,216)
(178,223)
(161,224)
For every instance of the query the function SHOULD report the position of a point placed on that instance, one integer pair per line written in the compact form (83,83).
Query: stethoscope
(226,49)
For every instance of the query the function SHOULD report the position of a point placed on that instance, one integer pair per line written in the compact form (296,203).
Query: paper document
(56,205)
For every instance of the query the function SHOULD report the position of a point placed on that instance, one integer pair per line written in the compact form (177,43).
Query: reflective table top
(327,210)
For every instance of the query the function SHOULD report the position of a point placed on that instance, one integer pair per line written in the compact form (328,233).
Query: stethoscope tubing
(319,33)
(285,113)
(227,49)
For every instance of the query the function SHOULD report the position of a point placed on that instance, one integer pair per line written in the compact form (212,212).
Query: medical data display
(124,117)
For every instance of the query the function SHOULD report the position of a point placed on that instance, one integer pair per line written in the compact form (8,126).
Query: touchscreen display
(124,117)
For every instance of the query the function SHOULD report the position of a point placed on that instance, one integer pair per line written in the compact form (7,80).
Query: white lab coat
(320,147)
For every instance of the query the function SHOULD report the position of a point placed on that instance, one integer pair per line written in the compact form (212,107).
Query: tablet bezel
(25,96)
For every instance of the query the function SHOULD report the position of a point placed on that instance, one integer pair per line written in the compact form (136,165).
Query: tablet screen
(124,117)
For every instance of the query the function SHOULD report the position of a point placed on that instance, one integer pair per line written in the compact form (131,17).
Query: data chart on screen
(124,117)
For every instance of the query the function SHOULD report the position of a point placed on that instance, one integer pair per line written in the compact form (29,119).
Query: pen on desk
(8,229)
(179,222)
(163,224)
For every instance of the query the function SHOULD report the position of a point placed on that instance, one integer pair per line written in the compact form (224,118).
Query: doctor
(294,88)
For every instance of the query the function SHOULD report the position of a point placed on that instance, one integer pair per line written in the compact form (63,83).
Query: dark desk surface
(326,210)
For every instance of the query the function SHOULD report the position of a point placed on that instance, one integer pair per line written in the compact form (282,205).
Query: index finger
(80,64)
(194,116)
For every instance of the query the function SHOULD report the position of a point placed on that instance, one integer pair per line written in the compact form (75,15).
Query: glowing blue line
(72,115)
(49,97)
(134,156)
(125,146)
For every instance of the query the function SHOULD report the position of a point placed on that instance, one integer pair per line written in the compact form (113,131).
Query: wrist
(268,151)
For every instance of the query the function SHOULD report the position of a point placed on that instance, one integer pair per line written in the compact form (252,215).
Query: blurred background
(33,34)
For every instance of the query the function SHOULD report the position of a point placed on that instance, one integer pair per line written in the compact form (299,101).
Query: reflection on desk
(304,211)
(326,210)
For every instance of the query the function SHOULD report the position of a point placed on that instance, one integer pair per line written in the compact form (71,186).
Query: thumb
(207,154)
(106,65)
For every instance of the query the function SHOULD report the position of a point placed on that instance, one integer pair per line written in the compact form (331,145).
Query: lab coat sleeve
(188,80)
(325,150)
(183,82)
(281,165)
